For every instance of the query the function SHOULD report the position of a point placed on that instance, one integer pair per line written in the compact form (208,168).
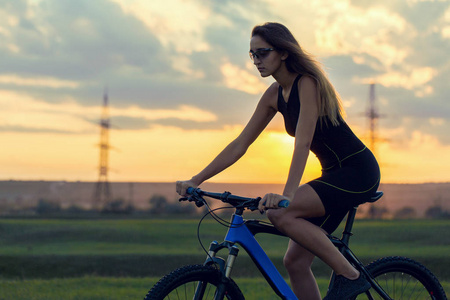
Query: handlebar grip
(189,190)
(283,203)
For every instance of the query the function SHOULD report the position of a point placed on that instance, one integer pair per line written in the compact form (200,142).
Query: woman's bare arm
(264,113)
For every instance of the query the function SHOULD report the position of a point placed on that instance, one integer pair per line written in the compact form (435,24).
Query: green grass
(105,237)
(122,258)
(93,288)
(164,237)
(76,288)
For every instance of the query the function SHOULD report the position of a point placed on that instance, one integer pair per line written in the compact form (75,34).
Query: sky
(181,85)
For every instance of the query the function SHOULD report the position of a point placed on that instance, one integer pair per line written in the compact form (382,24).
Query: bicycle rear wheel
(193,282)
(403,278)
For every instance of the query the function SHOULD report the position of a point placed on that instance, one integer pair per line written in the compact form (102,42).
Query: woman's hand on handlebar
(183,185)
(271,201)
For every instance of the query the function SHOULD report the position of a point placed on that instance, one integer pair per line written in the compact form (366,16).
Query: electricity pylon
(102,193)
(373,117)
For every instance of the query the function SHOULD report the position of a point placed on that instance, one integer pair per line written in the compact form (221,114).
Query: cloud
(177,24)
(70,52)
(184,112)
(25,114)
(161,56)
(242,80)
(417,80)
(37,81)
(77,41)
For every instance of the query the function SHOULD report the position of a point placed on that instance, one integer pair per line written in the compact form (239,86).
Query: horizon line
(206,182)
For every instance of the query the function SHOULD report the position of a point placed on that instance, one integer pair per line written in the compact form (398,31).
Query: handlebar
(197,194)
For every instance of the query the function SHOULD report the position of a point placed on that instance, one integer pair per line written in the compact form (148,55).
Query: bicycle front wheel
(403,278)
(194,282)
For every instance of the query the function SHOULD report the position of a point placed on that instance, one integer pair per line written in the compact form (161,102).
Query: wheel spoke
(209,289)
(386,284)
(403,286)
(394,281)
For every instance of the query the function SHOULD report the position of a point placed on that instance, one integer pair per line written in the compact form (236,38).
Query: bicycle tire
(182,283)
(403,278)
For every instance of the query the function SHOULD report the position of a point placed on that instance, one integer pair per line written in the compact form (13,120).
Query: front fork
(225,268)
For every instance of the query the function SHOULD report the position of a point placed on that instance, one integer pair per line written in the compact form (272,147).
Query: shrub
(437,212)
(405,213)
(46,207)
(376,212)
(118,206)
(158,204)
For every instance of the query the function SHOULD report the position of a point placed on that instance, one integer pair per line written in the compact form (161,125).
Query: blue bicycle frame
(240,233)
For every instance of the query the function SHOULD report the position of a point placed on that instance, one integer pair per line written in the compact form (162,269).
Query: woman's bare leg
(298,263)
(290,220)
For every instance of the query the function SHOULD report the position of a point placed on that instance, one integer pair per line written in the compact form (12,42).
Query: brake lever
(199,202)
(254,205)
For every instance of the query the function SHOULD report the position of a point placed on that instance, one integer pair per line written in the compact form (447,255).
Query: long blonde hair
(300,62)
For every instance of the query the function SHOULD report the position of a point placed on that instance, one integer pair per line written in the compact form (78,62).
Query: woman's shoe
(344,288)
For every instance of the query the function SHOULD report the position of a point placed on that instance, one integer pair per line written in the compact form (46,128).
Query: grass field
(96,288)
(122,258)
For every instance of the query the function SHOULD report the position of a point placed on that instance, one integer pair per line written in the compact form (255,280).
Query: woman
(350,175)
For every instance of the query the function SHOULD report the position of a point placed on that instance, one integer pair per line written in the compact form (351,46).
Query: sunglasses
(260,53)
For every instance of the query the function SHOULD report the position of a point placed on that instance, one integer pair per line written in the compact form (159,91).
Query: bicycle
(390,277)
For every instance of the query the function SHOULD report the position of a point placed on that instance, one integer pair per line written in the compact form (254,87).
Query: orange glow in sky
(170,153)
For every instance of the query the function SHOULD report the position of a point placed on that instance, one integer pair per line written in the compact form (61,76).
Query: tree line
(159,205)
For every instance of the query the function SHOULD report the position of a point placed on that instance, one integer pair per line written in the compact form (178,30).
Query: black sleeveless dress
(350,172)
